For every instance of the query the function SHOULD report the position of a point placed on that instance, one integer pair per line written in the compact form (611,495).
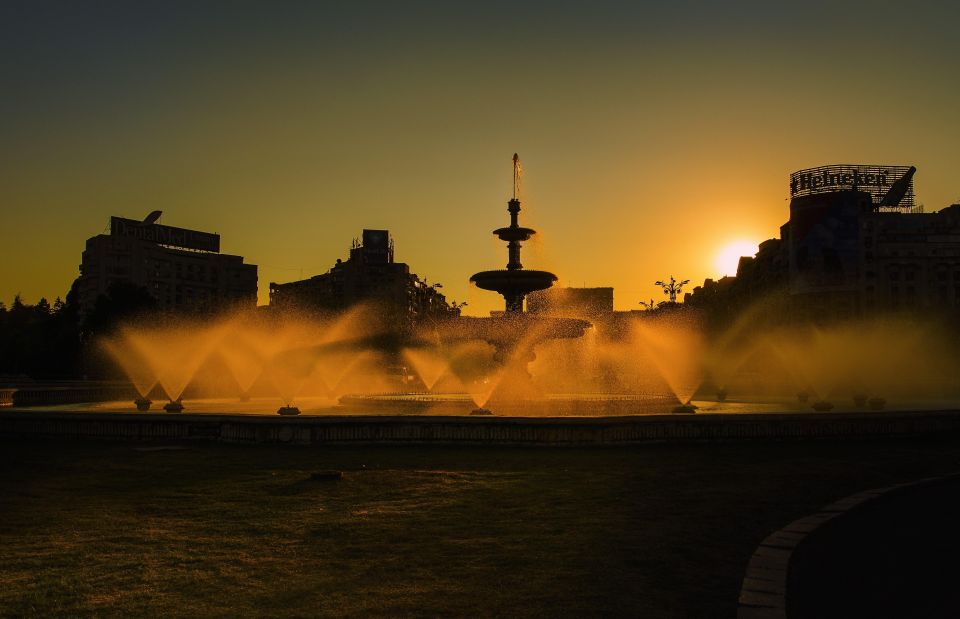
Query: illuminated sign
(165,235)
(877,180)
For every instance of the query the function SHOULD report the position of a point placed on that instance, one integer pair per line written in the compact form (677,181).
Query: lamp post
(672,288)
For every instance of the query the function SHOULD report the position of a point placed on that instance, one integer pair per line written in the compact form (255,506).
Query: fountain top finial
(517,173)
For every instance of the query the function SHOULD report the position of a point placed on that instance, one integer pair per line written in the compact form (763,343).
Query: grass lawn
(95,528)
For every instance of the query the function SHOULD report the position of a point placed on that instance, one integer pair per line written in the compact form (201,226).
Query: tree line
(54,341)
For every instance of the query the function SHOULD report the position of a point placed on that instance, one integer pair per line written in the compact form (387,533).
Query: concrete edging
(309,430)
(763,593)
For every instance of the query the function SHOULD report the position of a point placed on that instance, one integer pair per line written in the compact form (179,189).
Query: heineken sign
(877,180)
(165,235)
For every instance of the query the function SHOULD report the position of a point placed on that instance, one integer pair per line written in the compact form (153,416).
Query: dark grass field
(217,530)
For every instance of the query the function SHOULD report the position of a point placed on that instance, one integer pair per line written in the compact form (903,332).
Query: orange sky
(650,138)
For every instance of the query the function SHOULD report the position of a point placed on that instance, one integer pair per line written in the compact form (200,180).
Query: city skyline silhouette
(289,131)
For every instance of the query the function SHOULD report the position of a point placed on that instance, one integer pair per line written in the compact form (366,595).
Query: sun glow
(728,257)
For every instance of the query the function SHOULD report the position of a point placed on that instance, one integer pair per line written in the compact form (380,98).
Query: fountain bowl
(173,406)
(288,410)
(522,281)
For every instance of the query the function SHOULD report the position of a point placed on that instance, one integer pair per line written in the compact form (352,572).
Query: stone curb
(410,429)
(764,588)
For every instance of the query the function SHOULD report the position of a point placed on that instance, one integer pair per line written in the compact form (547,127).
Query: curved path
(889,552)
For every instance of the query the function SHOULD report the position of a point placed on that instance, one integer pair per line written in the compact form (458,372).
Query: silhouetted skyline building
(856,243)
(370,274)
(182,269)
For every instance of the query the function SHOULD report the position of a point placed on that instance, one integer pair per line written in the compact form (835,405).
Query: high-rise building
(182,269)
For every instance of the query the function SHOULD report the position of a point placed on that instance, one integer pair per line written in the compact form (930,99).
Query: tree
(123,301)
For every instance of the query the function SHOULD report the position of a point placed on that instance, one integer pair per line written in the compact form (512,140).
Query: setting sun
(728,257)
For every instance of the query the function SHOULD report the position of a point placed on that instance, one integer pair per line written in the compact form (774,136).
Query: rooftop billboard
(165,235)
(877,180)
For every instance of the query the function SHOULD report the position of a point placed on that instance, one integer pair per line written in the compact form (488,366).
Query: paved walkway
(892,557)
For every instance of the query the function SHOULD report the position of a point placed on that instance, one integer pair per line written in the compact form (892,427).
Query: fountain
(515,282)
(518,363)
(515,333)
(636,364)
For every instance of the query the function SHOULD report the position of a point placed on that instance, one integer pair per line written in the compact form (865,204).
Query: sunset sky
(653,135)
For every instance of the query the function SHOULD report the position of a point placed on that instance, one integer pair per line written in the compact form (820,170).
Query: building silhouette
(369,275)
(182,269)
(855,244)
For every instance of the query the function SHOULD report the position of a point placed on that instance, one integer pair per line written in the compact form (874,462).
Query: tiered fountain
(515,333)
(514,282)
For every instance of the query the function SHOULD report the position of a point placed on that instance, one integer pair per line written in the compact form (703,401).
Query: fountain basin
(550,405)
(517,281)
(511,328)
(514,233)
